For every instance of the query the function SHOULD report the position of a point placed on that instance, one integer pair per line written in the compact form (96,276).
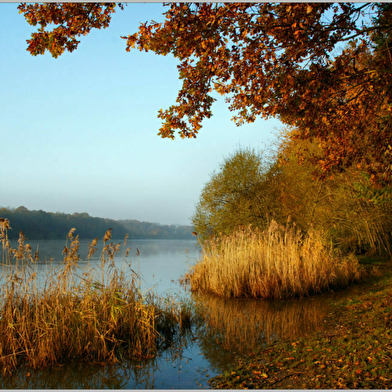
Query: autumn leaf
(311,65)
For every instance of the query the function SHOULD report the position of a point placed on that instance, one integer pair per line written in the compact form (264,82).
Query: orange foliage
(267,59)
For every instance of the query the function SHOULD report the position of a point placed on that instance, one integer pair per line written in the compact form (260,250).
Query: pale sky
(79,133)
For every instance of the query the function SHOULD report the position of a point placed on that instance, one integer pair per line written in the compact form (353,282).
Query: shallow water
(226,327)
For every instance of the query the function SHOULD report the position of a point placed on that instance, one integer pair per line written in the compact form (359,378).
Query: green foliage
(148,230)
(235,196)
(347,207)
(47,225)
(365,190)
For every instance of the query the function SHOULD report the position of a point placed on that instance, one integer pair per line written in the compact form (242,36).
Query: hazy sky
(79,133)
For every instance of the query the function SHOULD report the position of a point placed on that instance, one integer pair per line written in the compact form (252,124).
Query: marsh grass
(279,262)
(74,314)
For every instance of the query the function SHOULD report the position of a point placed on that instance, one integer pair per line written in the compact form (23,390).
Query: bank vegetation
(279,262)
(74,312)
(271,228)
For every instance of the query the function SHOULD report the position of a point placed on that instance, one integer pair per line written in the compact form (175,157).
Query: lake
(229,327)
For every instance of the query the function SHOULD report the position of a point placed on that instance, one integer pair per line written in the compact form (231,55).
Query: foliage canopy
(234,196)
(251,190)
(322,67)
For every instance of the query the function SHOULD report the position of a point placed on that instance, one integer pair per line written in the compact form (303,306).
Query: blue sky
(79,133)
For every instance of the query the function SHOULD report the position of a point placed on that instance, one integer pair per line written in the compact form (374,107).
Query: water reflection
(163,372)
(78,375)
(243,326)
(221,329)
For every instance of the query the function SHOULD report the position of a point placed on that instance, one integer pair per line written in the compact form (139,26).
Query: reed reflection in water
(79,375)
(180,366)
(243,326)
(220,328)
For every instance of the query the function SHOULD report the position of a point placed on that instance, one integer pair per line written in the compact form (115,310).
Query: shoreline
(354,353)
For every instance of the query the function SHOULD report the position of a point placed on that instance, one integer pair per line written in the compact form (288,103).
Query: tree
(267,59)
(235,196)
(72,20)
(354,215)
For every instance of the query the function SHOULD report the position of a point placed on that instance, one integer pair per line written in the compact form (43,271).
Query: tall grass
(74,314)
(277,263)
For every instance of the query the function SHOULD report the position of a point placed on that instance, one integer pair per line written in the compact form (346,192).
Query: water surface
(227,327)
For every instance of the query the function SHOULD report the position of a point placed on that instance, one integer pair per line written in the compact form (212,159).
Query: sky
(79,133)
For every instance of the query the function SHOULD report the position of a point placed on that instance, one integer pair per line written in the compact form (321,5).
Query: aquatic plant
(100,316)
(276,263)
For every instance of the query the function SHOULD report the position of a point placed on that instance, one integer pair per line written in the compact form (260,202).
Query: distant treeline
(38,225)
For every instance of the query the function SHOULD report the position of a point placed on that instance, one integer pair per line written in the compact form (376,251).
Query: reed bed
(279,262)
(74,314)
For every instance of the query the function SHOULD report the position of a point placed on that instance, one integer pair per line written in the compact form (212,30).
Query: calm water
(160,263)
(229,326)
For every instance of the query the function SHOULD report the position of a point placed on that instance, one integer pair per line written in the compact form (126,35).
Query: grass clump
(279,262)
(99,316)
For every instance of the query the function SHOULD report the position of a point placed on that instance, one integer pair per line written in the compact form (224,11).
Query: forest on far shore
(40,225)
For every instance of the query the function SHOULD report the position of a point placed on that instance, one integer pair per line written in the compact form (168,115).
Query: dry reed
(277,263)
(74,315)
